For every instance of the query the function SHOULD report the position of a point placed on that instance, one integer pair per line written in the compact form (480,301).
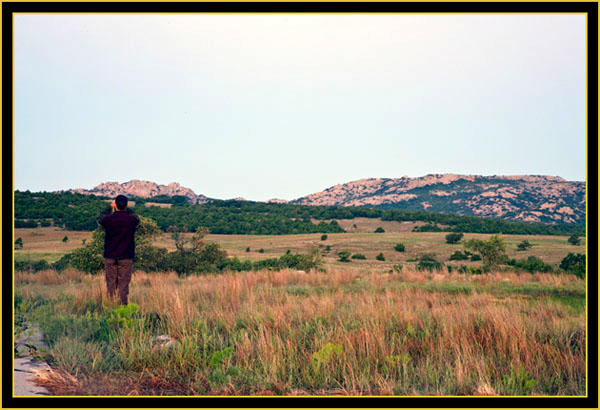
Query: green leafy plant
(325,356)
(574,239)
(323,237)
(399,247)
(524,245)
(574,263)
(380,257)
(379,230)
(454,237)
(359,256)
(19,243)
(343,255)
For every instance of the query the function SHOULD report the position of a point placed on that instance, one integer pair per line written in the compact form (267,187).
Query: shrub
(45,223)
(533,264)
(475,257)
(574,239)
(379,230)
(459,256)
(63,263)
(380,257)
(32,266)
(398,268)
(454,237)
(323,237)
(359,256)
(19,243)
(428,262)
(65,239)
(492,251)
(575,264)
(261,250)
(328,248)
(248,249)
(343,255)
(524,245)
(399,247)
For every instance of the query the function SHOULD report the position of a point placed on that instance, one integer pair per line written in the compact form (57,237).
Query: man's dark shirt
(119,239)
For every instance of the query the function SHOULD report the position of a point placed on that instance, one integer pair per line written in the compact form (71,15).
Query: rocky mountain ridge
(535,198)
(143,189)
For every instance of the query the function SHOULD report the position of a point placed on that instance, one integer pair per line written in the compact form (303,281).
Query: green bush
(429,262)
(459,256)
(524,245)
(475,257)
(19,243)
(532,264)
(574,239)
(399,247)
(359,256)
(574,263)
(323,237)
(454,237)
(343,255)
(380,257)
(379,230)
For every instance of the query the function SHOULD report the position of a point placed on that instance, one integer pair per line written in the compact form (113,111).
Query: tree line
(78,212)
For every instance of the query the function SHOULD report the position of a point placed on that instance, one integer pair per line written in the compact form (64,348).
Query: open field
(46,243)
(348,332)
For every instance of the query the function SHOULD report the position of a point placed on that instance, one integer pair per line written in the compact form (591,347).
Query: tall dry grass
(414,333)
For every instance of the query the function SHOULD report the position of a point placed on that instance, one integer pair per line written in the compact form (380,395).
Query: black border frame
(591,8)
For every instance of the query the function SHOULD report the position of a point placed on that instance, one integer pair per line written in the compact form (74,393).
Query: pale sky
(281,106)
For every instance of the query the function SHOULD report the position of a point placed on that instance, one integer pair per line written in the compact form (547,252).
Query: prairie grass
(345,332)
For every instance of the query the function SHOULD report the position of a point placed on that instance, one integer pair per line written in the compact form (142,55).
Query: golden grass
(397,335)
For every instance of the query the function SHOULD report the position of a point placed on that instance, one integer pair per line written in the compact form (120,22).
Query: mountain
(534,198)
(143,189)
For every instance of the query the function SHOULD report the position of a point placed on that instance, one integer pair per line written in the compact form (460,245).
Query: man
(119,247)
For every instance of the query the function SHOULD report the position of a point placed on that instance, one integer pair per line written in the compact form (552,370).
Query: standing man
(119,247)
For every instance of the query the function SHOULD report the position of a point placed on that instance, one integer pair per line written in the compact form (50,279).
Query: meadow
(356,329)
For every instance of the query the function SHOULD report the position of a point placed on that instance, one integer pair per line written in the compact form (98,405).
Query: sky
(281,106)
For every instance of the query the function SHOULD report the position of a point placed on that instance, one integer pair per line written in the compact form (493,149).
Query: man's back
(120,230)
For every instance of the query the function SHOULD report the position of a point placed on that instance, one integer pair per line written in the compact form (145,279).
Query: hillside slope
(143,189)
(531,198)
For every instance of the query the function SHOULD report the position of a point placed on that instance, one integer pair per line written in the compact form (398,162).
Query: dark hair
(121,202)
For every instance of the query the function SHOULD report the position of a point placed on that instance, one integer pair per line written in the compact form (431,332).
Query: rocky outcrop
(143,189)
(535,198)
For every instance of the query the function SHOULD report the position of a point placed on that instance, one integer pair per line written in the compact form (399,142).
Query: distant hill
(143,189)
(531,198)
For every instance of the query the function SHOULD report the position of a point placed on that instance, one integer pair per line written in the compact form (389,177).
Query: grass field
(46,243)
(353,330)
(292,333)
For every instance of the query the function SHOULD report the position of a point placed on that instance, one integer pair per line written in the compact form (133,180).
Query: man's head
(121,202)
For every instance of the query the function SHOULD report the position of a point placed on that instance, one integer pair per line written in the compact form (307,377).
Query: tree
(323,237)
(399,247)
(65,239)
(454,237)
(359,256)
(380,257)
(492,251)
(574,263)
(574,239)
(524,245)
(379,230)
(343,255)
(19,243)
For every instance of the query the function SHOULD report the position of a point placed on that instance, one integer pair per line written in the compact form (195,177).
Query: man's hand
(113,205)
